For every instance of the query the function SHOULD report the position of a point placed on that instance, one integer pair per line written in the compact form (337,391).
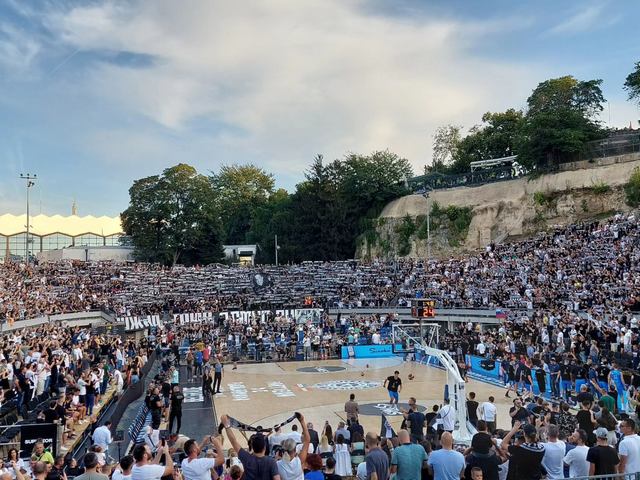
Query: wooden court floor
(267,394)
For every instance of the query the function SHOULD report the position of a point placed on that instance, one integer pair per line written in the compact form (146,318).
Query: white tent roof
(72,225)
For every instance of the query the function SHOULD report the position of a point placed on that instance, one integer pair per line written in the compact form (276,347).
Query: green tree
(172,218)
(240,190)
(444,148)
(335,203)
(632,84)
(496,137)
(561,119)
(275,217)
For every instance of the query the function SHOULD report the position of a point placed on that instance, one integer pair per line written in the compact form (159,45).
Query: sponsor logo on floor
(239,391)
(321,369)
(375,409)
(345,385)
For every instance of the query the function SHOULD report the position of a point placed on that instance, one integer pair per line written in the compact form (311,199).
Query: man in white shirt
(553,454)
(295,434)
(277,437)
(119,380)
(102,436)
(629,448)
(447,417)
(576,459)
(488,413)
(375,338)
(123,471)
(194,468)
(146,466)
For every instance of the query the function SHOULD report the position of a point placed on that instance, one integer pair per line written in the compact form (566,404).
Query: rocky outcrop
(502,210)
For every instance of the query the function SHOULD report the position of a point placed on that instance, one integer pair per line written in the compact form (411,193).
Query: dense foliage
(632,84)
(632,189)
(561,117)
(183,217)
(172,218)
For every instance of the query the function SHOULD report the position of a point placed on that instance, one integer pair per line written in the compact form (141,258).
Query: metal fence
(437,180)
(610,148)
(617,476)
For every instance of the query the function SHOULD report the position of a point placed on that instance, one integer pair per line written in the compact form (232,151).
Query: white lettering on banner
(301,315)
(199,317)
(132,324)
(238,391)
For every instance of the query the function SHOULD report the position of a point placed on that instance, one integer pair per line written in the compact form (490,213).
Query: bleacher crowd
(577,343)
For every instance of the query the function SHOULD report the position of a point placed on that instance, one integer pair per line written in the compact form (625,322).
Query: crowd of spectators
(590,268)
(59,374)
(577,343)
(546,440)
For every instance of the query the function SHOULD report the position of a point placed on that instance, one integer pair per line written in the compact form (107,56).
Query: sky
(94,94)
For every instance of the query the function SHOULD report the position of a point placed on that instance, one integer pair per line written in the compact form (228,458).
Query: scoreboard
(423,308)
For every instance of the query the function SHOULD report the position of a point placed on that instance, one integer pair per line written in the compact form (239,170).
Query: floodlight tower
(30,182)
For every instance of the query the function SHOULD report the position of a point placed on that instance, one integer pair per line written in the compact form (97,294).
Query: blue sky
(96,94)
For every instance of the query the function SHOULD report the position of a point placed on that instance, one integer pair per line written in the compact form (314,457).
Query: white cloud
(586,19)
(291,79)
(17,49)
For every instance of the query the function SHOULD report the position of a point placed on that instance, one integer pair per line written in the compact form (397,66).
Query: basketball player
(393,384)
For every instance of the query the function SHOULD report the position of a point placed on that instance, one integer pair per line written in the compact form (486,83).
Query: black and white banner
(301,315)
(133,324)
(200,317)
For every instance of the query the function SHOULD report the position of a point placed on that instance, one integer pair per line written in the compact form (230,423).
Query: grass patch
(405,231)
(601,188)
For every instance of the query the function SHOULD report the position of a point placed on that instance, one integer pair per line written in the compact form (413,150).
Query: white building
(242,254)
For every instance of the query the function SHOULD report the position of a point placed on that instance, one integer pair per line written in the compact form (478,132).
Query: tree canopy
(632,84)
(239,191)
(172,218)
(561,117)
(181,216)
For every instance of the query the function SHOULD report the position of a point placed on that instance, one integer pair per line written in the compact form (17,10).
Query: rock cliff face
(499,211)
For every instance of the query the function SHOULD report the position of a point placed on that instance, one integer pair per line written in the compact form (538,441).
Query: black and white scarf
(233,423)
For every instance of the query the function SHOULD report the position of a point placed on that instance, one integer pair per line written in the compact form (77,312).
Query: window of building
(55,241)
(17,246)
(88,240)
(3,248)
(113,240)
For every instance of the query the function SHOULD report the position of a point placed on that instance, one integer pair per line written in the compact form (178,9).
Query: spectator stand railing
(615,476)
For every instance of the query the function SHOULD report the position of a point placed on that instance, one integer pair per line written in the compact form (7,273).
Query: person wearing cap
(629,448)
(602,457)
(525,458)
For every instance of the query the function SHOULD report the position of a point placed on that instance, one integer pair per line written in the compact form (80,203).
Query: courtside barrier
(368,351)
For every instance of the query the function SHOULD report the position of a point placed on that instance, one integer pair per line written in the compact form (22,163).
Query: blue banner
(484,366)
(369,351)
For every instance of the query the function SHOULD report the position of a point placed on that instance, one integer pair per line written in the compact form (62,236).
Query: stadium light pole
(30,183)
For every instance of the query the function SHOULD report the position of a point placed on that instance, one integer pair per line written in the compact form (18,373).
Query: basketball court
(268,393)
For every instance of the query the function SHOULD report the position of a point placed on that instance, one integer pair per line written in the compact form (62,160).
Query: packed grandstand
(566,343)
